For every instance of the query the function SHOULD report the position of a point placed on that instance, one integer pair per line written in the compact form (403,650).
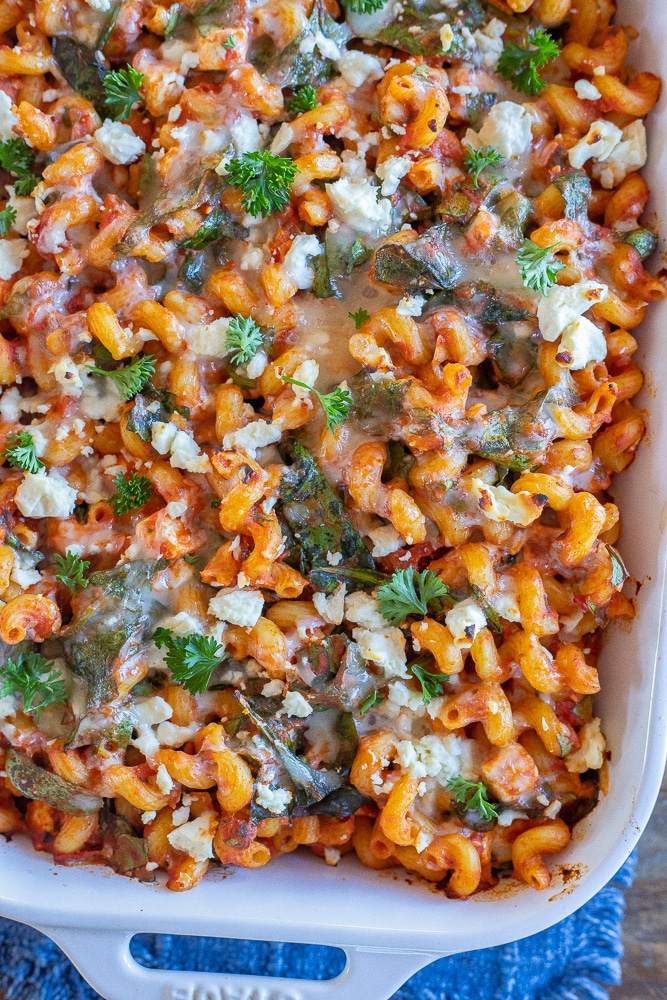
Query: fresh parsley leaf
(336,404)
(305,99)
(431,683)
(264,181)
(409,593)
(619,573)
(370,702)
(191,658)
(121,87)
(16,156)
(7,219)
(472,795)
(477,160)
(31,676)
(70,570)
(130,493)
(360,317)
(20,452)
(538,266)
(174,13)
(364,6)
(243,339)
(519,64)
(132,378)
(229,43)
(26,185)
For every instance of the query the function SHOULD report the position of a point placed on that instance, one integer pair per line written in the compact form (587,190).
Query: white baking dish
(389,927)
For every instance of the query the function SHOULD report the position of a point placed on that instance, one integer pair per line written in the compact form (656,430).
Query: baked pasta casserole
(316,360)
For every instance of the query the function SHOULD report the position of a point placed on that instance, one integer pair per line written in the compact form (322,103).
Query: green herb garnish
(370,702)
(132,378)
(264,181)
(364,6)
(229,43)
(243,338)
(31,676)
(305,99)
(477,160)
(70,570)
(619,572)
(7,219)
(20,452)
(431,683)
(336,404)
(360,317)
(519,64)
(16,158)
(130,493)
(121,87)
(539,266)
(409,593)
(472,795)
(191,658)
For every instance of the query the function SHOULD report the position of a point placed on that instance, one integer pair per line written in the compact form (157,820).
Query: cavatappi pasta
(316,361)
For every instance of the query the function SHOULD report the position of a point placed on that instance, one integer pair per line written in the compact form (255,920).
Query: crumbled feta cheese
(283,138)
(185,452)
(239,607)
(630,154)
(255,435)
(390,172)
(401,695)
(446,37)
(326,46)
(294,704)
(332,856)
(507,816)
(499,504)
(23,572)
(334,558)
(196,837)
(489,42)
(431,757)
(209,340)
(163,780)
(356,202)
(171,735)
(101,5)
(150,711)
(67,375)
(100,399)
(180,815)
(274,800)
(587,91)
(387,649)
(590,754)
(43,494)
(385,540)
(182,623)
(358,68)
(411,305)
(583,342)
(255,367)
(507,128)
(7,118)
(118,142)
(464,621)
(565,303)
(361,609)
(251,259)
(162,436)
(599,142)
(272,689)
(148,817)
(25,208)
(332,607)
(12,255)
(176,508)
(297,260)
(245,135)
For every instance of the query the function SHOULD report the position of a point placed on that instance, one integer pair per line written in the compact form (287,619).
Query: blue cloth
(570,961)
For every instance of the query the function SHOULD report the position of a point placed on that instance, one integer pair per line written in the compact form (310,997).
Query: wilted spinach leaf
(36,783)
(83,69)
(425,263)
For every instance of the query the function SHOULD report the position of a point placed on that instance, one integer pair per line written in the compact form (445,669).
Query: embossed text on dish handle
(196,992)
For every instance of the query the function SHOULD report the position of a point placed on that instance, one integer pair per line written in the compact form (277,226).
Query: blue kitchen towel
(569,961)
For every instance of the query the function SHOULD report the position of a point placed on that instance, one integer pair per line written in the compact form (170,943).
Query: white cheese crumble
(356,203)
(361,609)
(209,339)
(387,649)
(411,305)
(431,757)
(163,780)
(591,752)
(600,140)
(464,621)
(171,735)
(238,607)
(67,374)
(331,607)
(274,800)
(12,255)
(7,118)
(489,42)
(25,208)
(196,837)
(297,260)
(358,68)
(117,142)
(101,5)
(587,91)
(630,154)
(507,128)
(385,540)
(584,342)
(390,172)
(294,704)
(177,508)
(565,303)
(272,689)
(253,436)
(185,453)
(498,504)
(43,494)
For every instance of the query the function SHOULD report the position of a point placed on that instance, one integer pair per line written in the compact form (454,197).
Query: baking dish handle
(104,959)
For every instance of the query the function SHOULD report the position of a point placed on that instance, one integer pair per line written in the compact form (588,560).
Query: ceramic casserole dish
(390,925)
